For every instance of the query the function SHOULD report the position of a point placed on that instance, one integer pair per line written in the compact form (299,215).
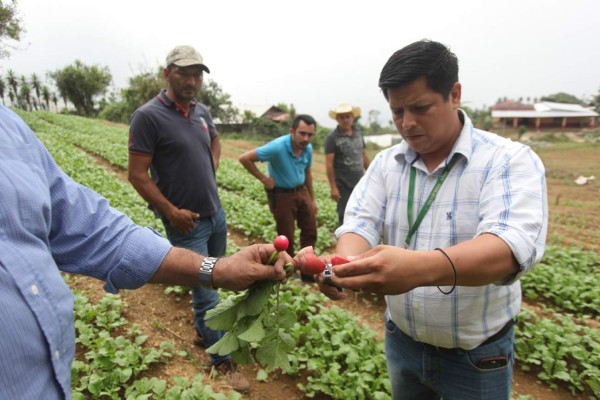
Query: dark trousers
(291,206)
(345,192)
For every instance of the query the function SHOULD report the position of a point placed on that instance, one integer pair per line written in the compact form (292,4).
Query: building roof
(545,109)
(512,105)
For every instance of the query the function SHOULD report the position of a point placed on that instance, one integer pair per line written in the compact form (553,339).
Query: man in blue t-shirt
(289,181)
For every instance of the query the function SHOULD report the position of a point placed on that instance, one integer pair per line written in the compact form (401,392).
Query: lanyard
(412,227)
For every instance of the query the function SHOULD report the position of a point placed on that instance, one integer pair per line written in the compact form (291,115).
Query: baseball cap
(184,56)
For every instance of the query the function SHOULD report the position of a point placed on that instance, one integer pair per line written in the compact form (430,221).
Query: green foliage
(562,97)
(254,319)
(142,87)
(596,102)
(112,361)
(339,354)
(559,350)
(11,26)
(218,102)
(81,84)
(568,279)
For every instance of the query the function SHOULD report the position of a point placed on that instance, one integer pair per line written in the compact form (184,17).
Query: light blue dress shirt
(497,186)
(48,224)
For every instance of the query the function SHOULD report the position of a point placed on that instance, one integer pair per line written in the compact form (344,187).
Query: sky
(315,54)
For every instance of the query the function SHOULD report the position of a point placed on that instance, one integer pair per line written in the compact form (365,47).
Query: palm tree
(11,79)
(55,101)
(2,89)
(37,86)
(25,94)
(46,96)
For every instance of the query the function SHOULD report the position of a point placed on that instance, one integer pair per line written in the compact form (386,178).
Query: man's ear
(166,73)
(455,95)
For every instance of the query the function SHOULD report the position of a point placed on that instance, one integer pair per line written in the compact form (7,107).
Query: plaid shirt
(497,186)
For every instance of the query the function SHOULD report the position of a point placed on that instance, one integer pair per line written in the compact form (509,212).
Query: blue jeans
(419,371)
(209,238)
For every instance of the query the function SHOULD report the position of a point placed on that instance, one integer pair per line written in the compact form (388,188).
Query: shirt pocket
(461,223)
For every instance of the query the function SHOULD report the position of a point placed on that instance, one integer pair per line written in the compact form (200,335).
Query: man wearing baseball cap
(175,138)
(345,157)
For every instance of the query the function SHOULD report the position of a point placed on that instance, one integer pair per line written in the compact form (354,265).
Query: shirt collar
(166,100)
(463,144)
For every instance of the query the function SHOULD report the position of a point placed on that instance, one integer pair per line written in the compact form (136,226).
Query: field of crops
(336,353)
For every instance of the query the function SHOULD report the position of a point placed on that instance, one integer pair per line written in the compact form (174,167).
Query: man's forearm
(152,194)
(253,169)
(215,149)
(351,244)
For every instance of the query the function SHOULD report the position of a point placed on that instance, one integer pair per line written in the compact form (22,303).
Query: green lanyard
(412,227)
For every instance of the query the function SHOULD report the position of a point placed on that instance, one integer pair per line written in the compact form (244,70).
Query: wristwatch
(206,269)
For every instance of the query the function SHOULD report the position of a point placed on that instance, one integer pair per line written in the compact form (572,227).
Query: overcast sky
(317,53)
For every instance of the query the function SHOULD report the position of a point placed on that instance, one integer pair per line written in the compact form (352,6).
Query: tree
(25,95)
(37,86)
(2,90)
(10,26)
(46,96)
(596,102)
(55,101)
(142,87)
(81,84)
(11,79)
(562,97)
(218,102)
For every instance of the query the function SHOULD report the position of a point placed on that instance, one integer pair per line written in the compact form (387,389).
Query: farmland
(147,333)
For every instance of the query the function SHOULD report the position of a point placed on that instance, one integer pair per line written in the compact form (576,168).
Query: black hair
(425,58)
(307,119)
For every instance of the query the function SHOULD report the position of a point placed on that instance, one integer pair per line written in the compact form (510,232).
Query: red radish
(313,265)
(338,260)
(281,243)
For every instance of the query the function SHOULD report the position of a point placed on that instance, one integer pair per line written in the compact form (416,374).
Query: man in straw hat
(174,136)
(345,156)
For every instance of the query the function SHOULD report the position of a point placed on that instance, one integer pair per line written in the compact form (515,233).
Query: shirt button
(416,307)
(35,290)
(57,354)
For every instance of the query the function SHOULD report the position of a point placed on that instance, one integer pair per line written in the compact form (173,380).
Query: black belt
(286,190)
(500,333)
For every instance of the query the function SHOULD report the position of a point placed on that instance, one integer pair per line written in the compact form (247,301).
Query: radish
(313,265)
(338,260)
(281,243)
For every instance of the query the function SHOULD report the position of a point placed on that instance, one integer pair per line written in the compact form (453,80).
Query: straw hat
(344,108)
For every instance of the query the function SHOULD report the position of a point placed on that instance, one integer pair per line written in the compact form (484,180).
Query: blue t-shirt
(284,167)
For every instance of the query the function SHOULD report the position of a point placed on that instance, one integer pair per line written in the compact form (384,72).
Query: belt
(286,190)
(500,333)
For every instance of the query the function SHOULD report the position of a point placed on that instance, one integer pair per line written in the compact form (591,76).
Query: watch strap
(206,269)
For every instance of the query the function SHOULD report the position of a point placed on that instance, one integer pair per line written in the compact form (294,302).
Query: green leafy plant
(255,319)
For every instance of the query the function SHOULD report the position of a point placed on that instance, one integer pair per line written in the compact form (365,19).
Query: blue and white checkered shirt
(497,186)
(48,224)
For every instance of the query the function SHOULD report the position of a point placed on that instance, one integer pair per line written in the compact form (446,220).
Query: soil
(163,318)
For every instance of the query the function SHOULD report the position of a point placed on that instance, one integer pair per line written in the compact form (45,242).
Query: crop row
(110,143)
(580,270)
